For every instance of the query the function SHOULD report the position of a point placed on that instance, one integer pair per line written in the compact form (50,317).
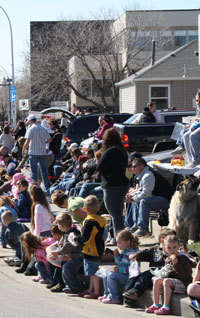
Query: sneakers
(44,281)
(133,228)
(195,305)
(162,311)
(13,261)
(178,150)
(36,279)
(20,270)
(58,288)
(141,232)
(151,309)
(101,298)
(111,301)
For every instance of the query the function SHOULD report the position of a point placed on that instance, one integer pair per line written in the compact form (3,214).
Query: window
(165,40)
(179,38)
(160,94)
(192,35)
(142,39)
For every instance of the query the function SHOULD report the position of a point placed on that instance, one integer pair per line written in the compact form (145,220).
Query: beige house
(171,82)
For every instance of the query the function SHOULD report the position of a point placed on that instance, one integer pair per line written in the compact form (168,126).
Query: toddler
(127,244)
(178,276)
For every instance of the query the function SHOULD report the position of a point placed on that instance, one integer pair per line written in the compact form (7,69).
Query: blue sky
(21,12)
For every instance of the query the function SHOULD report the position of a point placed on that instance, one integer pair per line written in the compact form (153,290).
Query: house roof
(180,64)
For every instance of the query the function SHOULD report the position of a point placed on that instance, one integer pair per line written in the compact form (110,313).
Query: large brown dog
(184,210)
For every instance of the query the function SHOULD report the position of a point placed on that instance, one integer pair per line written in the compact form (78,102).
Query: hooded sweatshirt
(91,238)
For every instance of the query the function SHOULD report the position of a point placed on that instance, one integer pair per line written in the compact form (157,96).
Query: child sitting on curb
(12,233)
(177,276)
(71,260)
(115,281)
(92,242)
(136,286)
(36,246)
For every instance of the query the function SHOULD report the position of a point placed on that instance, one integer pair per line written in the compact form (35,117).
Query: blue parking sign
(13,93)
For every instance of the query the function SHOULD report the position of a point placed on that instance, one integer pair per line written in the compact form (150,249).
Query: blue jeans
(192,144)
(179,140)
(141,210)
(64,184)
(70,274)
(42,161)
(91,188)
(114,283)
(40,266)
(114,198)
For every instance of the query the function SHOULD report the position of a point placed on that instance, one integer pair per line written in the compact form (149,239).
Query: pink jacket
(103,128)
(40,254)
(17,177)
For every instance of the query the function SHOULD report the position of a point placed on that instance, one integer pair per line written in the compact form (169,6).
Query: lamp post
(12,56)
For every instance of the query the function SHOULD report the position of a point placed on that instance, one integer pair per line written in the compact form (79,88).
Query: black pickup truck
(151,137)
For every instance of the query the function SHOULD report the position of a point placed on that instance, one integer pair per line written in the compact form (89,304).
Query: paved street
(22,298)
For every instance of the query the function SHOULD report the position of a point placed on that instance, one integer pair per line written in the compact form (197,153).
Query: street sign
(13,93)
(23,104)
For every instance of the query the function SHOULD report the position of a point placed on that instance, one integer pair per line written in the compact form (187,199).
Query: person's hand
(132,257)
(115,269)
(54,255)
(65,258)
(116,252)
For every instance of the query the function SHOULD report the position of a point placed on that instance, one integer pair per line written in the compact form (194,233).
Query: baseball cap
(73,146)
(31,117)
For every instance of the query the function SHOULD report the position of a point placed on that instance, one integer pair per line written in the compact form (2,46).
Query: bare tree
(87,56)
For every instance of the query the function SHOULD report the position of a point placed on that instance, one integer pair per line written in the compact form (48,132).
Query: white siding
(127,99)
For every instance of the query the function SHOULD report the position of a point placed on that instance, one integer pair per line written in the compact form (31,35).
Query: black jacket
(14,230)
(112,167)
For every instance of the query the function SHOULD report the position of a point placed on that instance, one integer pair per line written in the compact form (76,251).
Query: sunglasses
(197,100)
(135,166)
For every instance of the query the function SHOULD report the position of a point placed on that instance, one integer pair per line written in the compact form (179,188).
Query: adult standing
(112,167)
(36,139)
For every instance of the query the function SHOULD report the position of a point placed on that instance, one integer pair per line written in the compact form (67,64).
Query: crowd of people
(106,195)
